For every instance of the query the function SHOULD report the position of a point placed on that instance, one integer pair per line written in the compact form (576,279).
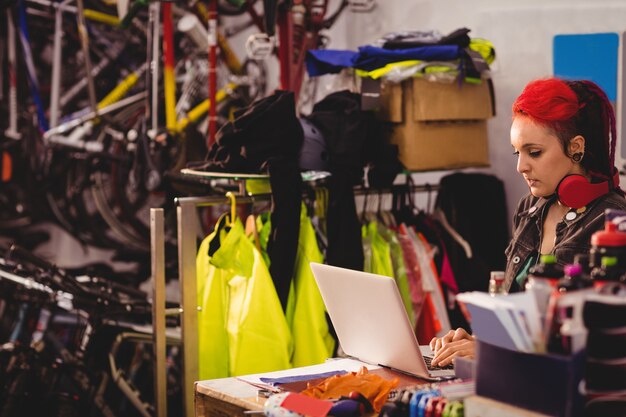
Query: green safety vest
(399,270)
(380,262)
(313,343)
(241,328)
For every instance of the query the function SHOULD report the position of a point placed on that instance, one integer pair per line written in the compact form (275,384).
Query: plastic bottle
(542,280)
(608,242)
(582,259)
(496,283)
(547,268)
(565,331)
(574,279)
(608,271)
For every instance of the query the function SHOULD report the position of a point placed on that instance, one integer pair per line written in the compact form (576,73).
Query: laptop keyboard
(428,361)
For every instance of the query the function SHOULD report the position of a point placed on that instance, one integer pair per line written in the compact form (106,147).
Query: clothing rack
(187,222)
(416,188)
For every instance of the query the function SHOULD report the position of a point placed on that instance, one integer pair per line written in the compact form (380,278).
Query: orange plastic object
(373,387)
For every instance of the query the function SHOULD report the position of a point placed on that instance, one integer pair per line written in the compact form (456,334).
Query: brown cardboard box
(436,125)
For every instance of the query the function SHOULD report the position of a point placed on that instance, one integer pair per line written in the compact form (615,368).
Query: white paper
(344,364)
(518,314)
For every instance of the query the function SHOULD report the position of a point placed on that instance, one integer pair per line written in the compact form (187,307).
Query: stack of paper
(511,321)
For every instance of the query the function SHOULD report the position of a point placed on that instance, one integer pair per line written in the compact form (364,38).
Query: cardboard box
(546,384)
(438,126)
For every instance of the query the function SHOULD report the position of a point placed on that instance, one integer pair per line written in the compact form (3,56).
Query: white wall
(522,32)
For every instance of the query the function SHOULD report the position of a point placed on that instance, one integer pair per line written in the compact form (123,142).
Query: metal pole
(155,10)
(84,43)
(56,66)
(12,131)
(212,33)
(65,127)
(187,248)
(157,243)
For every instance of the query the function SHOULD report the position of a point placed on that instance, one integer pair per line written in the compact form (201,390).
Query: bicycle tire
(118,228)
(70,206)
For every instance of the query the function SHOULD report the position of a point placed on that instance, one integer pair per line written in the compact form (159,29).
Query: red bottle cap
(610,236)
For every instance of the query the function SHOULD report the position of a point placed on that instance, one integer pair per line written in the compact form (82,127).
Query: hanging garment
(353,138)
(283,240)
(414,273)
(440,240)
(430,279)
(306,312)
(238,295)
(428,324)
(213,353)
(399,270)
(484,226)
(267,137)
(264,228)
(380,262)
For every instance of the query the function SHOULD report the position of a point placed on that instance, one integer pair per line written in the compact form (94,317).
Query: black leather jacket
(573,233)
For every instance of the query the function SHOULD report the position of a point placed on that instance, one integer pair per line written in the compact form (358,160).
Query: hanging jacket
(239,296)
(306,312)
(484,226)
(213,354)
(413,271)
(267,137)
(430,280)
(399,271)
(380,262)
(353,138)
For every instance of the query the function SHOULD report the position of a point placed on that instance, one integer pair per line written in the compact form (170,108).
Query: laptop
(371,322)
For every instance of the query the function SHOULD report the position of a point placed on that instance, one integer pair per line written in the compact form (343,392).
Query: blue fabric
(298,378)
(328,61)
(371,57)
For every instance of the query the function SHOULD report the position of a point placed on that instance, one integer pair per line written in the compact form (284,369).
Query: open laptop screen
(370,319)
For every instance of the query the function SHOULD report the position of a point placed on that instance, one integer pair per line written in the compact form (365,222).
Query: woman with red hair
(563,134)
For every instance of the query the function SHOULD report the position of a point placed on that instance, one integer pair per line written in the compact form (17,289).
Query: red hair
(571,108)
(546,101)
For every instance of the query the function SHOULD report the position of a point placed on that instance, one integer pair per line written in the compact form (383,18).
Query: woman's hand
(456,343)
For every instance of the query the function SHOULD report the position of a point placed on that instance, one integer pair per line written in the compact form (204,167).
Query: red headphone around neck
(576,191)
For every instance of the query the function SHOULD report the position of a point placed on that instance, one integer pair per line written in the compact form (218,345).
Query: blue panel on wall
(588,56)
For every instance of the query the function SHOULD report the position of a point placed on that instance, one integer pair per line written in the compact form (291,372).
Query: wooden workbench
(232,397)
(226,397)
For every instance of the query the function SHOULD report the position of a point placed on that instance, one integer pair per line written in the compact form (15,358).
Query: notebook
(370,320)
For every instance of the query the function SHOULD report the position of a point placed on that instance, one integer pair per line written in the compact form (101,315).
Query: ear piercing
(577,157)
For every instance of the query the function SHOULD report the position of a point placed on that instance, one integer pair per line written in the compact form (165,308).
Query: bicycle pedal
(259,46)
(361,6)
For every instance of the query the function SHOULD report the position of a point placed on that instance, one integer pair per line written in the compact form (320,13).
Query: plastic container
(608,242)
(574,279)
(496,283)
(608,271)
(542,281)
(546,268)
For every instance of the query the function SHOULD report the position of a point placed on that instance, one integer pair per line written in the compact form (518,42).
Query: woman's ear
(576,145)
